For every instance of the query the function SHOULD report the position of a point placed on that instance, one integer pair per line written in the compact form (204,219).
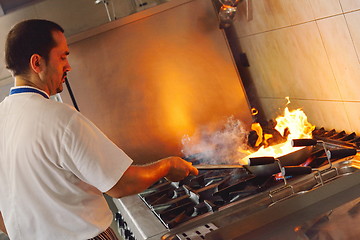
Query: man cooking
(55,164)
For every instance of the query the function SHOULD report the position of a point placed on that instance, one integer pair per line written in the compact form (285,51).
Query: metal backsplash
(148,79)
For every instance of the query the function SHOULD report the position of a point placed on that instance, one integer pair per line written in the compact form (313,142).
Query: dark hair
(27,38)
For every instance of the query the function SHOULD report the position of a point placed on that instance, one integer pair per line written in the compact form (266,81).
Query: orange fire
(294,124)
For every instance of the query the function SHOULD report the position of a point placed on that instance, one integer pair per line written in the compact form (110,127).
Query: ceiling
(7,6)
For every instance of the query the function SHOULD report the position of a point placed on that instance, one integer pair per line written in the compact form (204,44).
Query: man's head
(36,52)
(27,38)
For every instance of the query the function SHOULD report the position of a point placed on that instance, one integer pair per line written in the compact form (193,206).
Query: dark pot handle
(261,161)
(295,170)
(303,142)
(340,153)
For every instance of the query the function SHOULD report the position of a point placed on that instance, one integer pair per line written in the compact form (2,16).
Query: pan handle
(340,153)
(295,170)
(261,161)
(303,142)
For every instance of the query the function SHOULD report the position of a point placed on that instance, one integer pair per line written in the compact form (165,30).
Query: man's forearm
(2,224)
(138,178)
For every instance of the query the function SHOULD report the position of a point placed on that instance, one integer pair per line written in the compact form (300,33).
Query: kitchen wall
(305,49)
(148,80)
(74,16)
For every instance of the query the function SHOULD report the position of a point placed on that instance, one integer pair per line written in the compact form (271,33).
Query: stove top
(207,204)
(175,203)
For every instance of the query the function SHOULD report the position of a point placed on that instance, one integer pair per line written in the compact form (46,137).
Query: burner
(174,203)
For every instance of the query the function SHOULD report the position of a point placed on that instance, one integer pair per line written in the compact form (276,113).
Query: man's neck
(23,81)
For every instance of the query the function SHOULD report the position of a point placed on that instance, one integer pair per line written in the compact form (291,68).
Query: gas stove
(234,203)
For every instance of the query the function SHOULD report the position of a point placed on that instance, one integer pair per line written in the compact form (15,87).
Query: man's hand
(179,169)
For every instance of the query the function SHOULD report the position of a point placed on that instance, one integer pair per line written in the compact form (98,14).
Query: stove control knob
(118,216)
(120,220)
(127,233)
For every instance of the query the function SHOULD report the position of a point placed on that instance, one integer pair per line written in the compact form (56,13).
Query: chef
(55,164)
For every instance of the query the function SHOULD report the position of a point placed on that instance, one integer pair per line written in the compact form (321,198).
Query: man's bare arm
(2,224)
(138,178)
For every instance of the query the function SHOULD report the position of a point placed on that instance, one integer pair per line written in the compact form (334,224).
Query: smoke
(219,145)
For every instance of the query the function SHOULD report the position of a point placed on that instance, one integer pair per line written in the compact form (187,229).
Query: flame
(288,100)
(257,128)
(292,125)
(297,124)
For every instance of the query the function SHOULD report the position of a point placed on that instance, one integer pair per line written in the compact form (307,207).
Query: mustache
(65,75)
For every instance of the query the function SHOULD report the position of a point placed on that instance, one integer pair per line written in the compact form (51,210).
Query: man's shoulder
(59,108)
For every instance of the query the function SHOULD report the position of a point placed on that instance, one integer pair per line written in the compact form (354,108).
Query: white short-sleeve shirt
(54,166)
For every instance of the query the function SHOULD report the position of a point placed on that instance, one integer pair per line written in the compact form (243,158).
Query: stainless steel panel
(281,219)
(260,216)
(147,80)
(142,222)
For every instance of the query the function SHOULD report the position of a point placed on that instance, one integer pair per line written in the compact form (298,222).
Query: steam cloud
(216,146)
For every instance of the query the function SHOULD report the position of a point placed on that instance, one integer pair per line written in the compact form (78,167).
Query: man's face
(57,65)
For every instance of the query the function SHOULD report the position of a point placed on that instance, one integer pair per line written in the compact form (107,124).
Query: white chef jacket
(54,166)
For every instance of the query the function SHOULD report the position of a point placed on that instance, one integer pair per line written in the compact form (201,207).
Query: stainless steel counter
(255,217)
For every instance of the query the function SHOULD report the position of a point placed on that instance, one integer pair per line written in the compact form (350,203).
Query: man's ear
(35,62)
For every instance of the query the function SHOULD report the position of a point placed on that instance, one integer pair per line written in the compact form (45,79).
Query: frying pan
(267,166)
(267,169)
(291,159)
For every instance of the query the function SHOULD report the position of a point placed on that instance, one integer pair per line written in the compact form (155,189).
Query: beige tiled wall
(325,8)
(308,50)
(350,5)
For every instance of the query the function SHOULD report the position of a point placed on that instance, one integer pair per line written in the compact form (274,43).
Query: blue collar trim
(27,89)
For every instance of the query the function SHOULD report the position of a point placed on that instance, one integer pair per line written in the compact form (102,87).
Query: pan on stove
(267,166)
(262,169)
(294,158)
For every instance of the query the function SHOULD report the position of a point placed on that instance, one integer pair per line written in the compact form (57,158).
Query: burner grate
(337,138)
(175,203)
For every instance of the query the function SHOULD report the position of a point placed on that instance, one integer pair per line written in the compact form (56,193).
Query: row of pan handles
(320,175)
(300,170)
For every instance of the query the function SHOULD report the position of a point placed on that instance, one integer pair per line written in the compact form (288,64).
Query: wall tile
(263,55)
(273,107)
(266,15)
(342,56)
(307,63)
(290,62)
(325,8)
(327,114)
(350,5)
(315,63)
(353,110)
(353,20)
(271,14)
(299,11)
